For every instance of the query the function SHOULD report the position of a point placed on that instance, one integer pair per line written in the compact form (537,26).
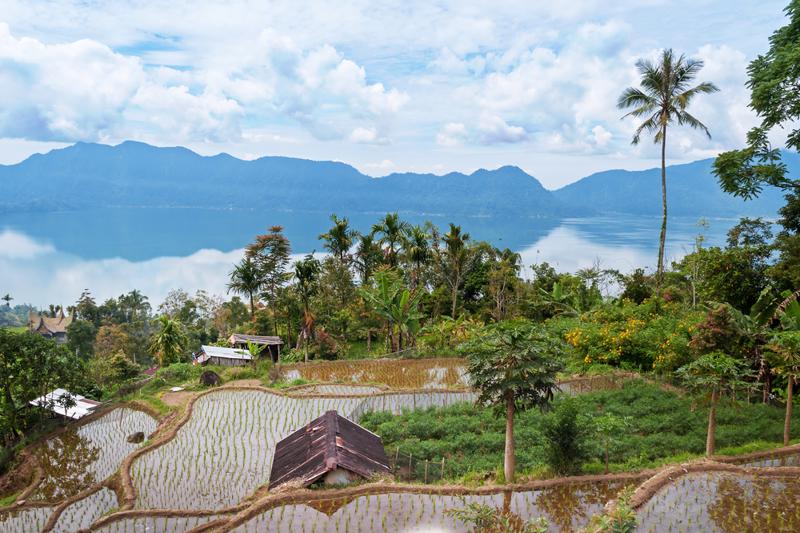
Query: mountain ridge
(133,173)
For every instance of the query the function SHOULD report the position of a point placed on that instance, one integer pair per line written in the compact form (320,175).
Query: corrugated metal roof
(225,353)
(52,401)
(323,445)
(241,338)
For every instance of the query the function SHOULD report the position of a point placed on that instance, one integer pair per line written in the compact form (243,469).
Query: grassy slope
(664,426)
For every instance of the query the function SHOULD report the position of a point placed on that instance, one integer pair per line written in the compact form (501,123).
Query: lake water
(51,257)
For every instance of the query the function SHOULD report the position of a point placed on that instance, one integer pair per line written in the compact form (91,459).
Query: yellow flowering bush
(632,336)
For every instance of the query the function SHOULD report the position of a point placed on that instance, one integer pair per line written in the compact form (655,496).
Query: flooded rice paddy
(722,502)
(567,507)
(83,513)
(83,455)
(155,524)
(224,452)
(775,460)
(394,373)
(24,520)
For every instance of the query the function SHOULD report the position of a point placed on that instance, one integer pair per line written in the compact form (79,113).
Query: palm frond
(686,118)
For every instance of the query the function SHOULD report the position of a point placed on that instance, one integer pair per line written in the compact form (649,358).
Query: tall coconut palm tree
(339,239)
(663,99)
(245,278)
(169,341)
(391,230)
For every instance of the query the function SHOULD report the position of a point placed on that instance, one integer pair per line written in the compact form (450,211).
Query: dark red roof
(323,445)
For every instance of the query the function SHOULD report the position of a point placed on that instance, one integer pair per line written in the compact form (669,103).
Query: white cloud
(15,245)
(83,90)
(452,134)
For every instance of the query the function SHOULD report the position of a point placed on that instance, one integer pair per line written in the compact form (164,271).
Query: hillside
(134,174)
(692,190)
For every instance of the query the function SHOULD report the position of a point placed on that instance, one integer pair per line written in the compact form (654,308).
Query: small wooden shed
(332,449)
(272,343)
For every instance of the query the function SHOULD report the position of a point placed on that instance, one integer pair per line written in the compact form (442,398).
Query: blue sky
(385,86)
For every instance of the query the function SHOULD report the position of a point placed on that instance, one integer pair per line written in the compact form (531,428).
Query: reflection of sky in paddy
(37,272)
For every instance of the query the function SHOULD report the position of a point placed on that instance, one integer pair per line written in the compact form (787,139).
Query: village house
(50,327)
(331,449)
(221,356)
(273,344)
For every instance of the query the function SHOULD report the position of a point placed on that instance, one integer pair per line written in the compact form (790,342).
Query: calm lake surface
(51,257)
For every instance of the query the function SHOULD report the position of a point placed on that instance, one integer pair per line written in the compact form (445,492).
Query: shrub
(566,439)
(179,372)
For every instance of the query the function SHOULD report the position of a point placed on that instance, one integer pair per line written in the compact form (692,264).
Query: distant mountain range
(134,174)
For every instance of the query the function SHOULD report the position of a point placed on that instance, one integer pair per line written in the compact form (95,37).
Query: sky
(386,86)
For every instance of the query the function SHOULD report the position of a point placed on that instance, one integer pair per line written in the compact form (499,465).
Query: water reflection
(53,257)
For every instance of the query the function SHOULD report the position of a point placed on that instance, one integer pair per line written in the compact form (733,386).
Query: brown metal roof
(237,338)
(325,444)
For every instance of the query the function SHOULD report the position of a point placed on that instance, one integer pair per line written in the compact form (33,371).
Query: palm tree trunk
(509,463)
(252,307)
(787,423)
(663,236)
(454,296)
(712,424)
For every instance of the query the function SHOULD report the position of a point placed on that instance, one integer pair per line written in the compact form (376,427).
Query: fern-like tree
(662,100)
(7,299)
(246,279)
(418,252)
(169,341)
(713,375)
(455,261)
(513,366)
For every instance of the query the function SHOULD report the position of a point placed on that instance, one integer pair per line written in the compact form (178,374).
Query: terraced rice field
(394,373)
(777,460)
(155,524)
(224,452)
(567,507)
(83,513)
(86,454)
(720,502)
(24,520)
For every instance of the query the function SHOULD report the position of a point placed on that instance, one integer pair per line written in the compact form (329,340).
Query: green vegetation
(513,366)
(664,427)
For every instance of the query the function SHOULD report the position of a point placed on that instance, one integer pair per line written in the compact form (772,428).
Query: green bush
(566,435)
(179,372)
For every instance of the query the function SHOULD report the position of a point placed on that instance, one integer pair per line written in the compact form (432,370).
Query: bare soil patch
(177,399)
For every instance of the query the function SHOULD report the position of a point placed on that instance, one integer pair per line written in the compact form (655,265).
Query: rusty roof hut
(331,449)
(273,344)
(221,356)
(50,327)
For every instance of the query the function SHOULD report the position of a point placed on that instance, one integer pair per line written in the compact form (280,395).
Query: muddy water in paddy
(224,452)
(395,373)
(722,502)
(82,513)
(155,524)
(567,507)
(86,454)
(24,520)
(777,460)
